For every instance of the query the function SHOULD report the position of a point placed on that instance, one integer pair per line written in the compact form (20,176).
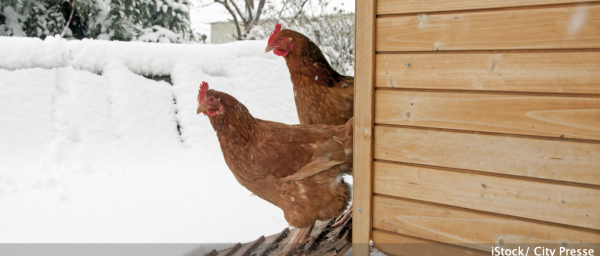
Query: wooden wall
(477,124)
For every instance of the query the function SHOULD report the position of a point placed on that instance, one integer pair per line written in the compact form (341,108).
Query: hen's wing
(287,150)
(325,155)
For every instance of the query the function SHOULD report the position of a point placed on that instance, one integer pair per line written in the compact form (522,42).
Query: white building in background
(223,31)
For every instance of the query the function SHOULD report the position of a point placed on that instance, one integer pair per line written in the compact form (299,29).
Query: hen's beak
(269,48)
(201,109)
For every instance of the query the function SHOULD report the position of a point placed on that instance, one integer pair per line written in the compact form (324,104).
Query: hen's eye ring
(280,39)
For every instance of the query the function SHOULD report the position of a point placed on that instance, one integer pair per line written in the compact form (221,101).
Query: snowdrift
(92,151)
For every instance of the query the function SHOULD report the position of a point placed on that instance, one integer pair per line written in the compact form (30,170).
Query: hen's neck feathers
(235,122)
(305,51)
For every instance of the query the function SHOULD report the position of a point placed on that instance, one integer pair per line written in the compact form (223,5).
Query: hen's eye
(280,39)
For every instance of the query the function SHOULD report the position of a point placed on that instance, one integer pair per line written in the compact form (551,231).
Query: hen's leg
(340,220)
(294,241)
(306,235)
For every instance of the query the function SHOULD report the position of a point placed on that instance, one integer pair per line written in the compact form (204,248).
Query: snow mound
(24,52)
(92,148)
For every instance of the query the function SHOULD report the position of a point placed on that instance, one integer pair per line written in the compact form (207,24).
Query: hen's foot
(300,237)
(306,235)
(341,219)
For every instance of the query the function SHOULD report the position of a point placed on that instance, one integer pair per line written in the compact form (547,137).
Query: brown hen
(298,168)
(322,95)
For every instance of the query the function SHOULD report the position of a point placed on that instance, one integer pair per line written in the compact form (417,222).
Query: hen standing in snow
(322,95)
(297,168)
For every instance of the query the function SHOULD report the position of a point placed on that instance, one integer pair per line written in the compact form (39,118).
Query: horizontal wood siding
(477,230)
(486,126)
(528,157)
(551,72)
(564,204)
(394,244)
(411,6)
(542,115)
(563,27)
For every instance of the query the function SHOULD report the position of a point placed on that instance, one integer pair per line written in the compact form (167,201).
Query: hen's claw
(341,219)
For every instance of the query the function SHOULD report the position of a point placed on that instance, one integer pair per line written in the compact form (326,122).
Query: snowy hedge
(123,20)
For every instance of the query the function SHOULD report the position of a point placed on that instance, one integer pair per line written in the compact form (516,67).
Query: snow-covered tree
(148,20)
(30,18)
(90,17)
(11,22)
(84,16)
(125,20)
(40,18)
(245,14)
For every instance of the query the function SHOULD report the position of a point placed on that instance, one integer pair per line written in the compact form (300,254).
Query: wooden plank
(574,26)
(411,6)
(534,158)
(557,203)
(555,72)
(552,116)
(363,126)
(474,229)
(393,244)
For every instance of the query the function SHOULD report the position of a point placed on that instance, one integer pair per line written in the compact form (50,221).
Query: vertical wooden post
(363,126)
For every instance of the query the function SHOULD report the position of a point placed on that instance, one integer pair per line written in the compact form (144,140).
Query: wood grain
(475,230)
(552,116)
(575,26)
(555,72)
(410,6)
(564,204)
(363,126)
(394,244)
(534,158)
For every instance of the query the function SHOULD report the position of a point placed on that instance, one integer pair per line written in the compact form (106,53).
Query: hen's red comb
(202,91)
(277,28)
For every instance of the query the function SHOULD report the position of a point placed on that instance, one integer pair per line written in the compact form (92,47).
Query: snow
(23,52)
(90,151)
(158,34)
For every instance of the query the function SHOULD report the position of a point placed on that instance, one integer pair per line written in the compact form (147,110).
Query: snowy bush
(150,21)
(123,20)
(158,34)
(10,22)
(43,20)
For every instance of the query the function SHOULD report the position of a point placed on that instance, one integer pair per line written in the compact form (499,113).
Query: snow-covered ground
(90,150)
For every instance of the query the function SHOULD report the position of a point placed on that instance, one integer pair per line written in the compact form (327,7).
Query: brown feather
(322,95)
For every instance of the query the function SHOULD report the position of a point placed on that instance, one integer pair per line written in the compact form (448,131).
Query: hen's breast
(279,153)
(322,105)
